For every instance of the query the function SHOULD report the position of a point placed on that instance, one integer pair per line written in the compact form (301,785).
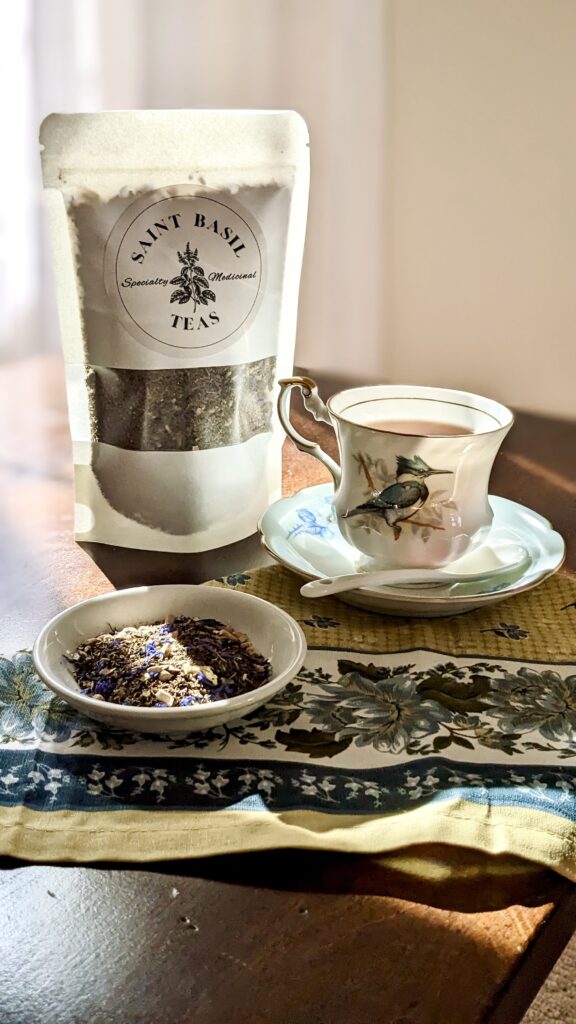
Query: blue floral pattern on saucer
(315,523)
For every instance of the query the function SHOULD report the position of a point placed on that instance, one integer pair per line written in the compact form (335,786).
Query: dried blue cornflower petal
(188,700)
(204,679)
(105,687)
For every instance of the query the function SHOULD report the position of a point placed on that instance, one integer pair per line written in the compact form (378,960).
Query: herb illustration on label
(192,283)
(213,244)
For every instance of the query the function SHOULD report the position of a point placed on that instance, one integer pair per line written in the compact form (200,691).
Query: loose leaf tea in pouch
(178,239)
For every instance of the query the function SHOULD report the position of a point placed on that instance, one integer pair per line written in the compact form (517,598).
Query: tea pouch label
(185,270)
(178,240)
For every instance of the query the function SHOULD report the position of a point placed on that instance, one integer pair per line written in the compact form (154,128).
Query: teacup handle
(314,404)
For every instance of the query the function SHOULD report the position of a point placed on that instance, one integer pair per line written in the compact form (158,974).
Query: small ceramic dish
(272,631)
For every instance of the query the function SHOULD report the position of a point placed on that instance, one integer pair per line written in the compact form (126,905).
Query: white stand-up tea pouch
(178,240)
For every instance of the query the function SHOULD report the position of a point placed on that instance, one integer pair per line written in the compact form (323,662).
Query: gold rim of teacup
(306,382)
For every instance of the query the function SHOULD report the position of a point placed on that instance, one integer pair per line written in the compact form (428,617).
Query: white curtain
(50,60)
(323,58)
(19,243)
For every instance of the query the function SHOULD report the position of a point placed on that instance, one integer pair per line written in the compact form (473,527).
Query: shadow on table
(445,877)
(127,567)
(440,876)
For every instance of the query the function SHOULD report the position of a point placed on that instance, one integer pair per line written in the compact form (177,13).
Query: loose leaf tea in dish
(175,663)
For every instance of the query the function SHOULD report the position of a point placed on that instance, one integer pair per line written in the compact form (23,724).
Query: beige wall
(481,207)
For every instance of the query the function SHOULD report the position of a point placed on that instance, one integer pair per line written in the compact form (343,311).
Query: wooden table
(276,938)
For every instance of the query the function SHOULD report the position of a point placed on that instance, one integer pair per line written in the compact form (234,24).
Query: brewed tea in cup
(412,486)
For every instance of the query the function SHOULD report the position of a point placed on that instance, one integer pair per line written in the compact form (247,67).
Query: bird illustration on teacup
(401,500)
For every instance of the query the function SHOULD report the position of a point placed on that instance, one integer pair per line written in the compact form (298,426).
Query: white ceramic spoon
(498,559)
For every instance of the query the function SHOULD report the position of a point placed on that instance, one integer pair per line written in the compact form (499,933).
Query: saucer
(302,534)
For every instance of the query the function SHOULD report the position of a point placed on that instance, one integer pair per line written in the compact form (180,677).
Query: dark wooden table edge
(540,956)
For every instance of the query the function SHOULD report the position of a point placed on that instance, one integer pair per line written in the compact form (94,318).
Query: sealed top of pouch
(224,141)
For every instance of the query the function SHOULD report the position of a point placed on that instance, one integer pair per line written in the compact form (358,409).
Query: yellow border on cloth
(81,837)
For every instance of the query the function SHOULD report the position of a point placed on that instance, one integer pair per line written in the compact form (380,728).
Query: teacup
(415,462)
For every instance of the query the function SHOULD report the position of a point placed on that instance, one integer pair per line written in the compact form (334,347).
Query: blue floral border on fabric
(45,782)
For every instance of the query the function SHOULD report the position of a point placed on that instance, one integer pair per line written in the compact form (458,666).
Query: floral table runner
(397,731)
